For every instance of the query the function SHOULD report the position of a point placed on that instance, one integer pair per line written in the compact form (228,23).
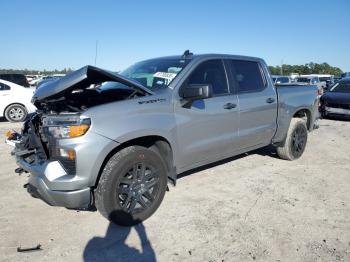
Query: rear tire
(16,113)
(132,186)
(296,140)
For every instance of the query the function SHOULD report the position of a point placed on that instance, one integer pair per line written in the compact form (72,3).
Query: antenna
(187,54)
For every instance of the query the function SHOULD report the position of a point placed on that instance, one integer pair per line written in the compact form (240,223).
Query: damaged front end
(50,165)
(28,145)
(56,145)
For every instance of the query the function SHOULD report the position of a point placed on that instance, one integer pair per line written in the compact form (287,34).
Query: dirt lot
(252,207)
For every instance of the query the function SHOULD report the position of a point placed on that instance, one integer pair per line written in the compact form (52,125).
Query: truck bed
(291,98)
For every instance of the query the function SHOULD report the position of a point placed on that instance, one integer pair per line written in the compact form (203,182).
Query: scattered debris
(37,248)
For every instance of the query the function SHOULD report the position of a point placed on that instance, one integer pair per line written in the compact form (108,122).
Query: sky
(60,34)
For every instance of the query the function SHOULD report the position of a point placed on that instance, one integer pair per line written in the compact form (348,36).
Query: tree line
(36,72)
(309,68)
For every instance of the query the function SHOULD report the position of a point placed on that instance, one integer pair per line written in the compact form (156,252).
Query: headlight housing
(68,131)
(66,126)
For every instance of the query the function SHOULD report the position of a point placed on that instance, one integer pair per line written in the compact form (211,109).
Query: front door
(208,129)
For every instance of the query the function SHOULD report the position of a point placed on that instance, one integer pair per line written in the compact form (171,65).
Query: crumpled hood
(82,79)
(336,98)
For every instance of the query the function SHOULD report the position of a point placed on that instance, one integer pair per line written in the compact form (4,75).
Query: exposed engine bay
(85,88)
(82,99)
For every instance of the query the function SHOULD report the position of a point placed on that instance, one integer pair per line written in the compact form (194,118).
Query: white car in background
(311,80)
(15,102)
(33,79)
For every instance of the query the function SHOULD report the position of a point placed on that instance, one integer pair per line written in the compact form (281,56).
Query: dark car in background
(336,102)
(344,75)
(18,79)
(337,79)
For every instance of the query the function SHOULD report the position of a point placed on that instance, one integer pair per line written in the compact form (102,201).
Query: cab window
(210,72)
(247,75)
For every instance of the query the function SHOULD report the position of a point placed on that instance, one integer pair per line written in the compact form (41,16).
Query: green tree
(308,68)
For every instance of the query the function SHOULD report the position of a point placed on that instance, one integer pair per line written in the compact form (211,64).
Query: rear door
(257,103)
(209,128)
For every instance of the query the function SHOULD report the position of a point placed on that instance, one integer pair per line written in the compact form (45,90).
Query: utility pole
(96,51)
(282,67)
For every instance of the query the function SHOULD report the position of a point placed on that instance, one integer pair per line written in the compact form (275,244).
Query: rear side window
(210,72)
(4,87)
(247,75)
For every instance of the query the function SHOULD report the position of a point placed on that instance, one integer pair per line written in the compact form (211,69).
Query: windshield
(155,74)
(342,87)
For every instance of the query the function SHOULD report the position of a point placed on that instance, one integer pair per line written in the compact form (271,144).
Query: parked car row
(334,93)
(321,82)
(326,81)
(29,80)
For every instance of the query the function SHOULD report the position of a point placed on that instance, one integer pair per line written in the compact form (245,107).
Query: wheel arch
(155,142)
(304,113)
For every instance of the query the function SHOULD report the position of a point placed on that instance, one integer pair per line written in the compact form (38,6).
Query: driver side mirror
(196,91)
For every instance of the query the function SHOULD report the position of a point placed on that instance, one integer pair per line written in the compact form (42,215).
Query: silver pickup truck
(114,141)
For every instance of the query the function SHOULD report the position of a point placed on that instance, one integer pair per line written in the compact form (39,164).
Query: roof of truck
(213,55)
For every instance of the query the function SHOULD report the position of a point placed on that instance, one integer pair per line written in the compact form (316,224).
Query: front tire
(296,140)
(16,113)
(132,186)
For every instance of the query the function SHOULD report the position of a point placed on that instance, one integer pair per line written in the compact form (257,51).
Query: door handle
(229,106)
(270,100)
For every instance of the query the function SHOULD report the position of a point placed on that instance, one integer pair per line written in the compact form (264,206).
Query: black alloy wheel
(299,138)
(138,188)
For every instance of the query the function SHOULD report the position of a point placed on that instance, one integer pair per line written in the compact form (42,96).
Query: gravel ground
(251,207)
